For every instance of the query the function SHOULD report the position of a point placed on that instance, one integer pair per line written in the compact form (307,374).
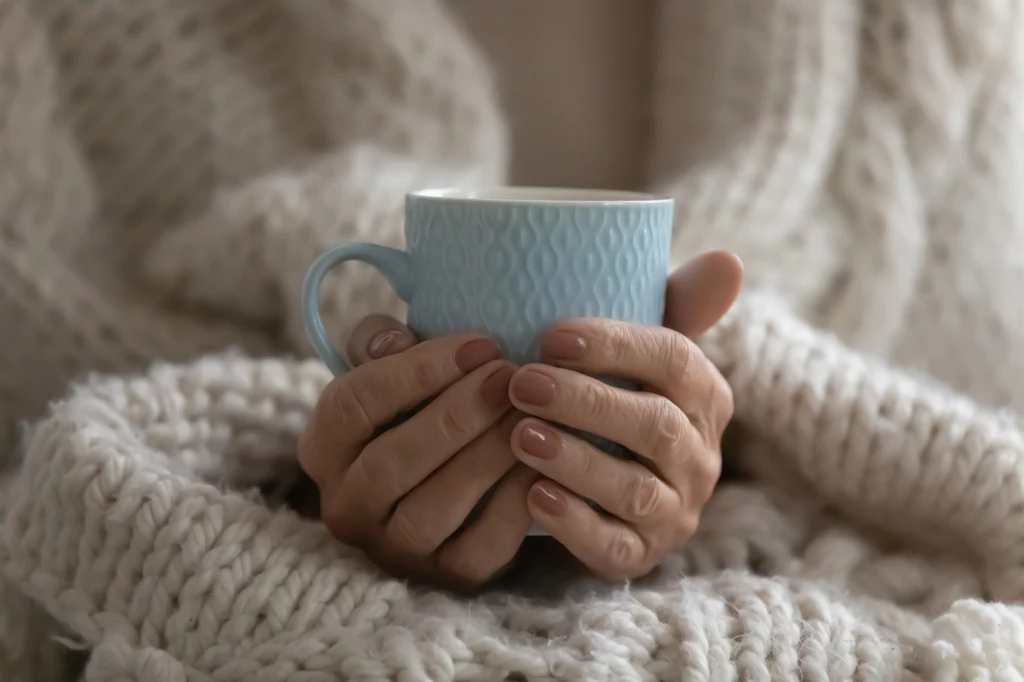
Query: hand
(674,426)
(402,493)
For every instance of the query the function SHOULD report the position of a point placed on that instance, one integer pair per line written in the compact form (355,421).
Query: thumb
(702,291)
(378,336)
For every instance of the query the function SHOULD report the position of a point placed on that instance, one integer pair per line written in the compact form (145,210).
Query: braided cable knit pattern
(864,158)
(169,168)
(129,522)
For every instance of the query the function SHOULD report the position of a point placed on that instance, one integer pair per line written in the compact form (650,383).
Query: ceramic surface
(509,262)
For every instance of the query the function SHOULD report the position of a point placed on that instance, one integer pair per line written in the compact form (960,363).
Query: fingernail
(382,343)
(563,346)
(476,353)
(533,388)
(494,389)
(539,441)
(548,499)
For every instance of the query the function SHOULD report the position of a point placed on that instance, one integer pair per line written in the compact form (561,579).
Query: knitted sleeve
(400,101)
(168,170)
(747,128)
(827,143)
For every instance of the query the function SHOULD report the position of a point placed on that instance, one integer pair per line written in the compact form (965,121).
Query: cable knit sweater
(169,168)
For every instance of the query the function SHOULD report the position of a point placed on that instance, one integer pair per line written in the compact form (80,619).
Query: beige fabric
(113,525)
(865,158)
(169,168)
(578,98)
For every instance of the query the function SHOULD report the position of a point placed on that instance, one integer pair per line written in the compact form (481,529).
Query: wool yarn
(130,523)
(157,153)
(169,168)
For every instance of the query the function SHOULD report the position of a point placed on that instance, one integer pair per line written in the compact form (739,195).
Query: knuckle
(455,424)
(350,405)
(621,551)
(593,399)
(685,528)
(618,343)
(413,533)
(643,496)
(667,430)
(584,464)
(338,518)
(425,375)
(690,524)
(676,354)
(382,464)
(708,471)
(469,569)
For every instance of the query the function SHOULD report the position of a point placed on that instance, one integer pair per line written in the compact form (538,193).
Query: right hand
(402,493)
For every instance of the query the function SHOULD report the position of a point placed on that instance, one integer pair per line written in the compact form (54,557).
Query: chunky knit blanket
(168,170)
(882,539)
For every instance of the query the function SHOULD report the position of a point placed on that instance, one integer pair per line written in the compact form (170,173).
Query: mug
(510,261)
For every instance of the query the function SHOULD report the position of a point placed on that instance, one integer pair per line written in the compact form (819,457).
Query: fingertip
(702,291)
(725,257)
(474,352)
(721,268)
(378,336)
(389,343)
(730,269)
(548,498)
(532,387)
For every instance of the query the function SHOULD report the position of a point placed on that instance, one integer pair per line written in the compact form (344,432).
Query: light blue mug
(511,261)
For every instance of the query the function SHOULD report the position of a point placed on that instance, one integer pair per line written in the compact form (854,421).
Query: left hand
(674,426)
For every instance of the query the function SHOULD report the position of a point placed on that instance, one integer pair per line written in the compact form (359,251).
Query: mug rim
(515,194)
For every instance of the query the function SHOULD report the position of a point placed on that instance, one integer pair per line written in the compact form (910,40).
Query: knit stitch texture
(168,169)
(126,523)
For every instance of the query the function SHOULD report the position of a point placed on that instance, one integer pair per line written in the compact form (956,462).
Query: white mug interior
(538,195)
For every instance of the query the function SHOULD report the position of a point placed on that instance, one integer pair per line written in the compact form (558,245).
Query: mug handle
(394,264)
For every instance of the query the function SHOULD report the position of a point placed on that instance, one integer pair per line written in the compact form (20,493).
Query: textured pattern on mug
(528,266)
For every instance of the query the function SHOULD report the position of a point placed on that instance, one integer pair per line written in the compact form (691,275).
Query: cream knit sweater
(169,168)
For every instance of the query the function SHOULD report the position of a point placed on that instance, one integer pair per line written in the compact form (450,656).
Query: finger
(625,489)
(435,510)
(608,547)
(702,291)
(649,425)
(400,459)
(378,336)
(491,542)
(353,407)
(662,359)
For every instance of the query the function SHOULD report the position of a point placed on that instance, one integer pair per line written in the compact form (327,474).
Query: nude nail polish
(548,499)
(533,387)
(476,353)
(539,441)
(382,343)
(563,346)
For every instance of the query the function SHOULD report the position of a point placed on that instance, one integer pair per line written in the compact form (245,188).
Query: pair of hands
(404,493)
